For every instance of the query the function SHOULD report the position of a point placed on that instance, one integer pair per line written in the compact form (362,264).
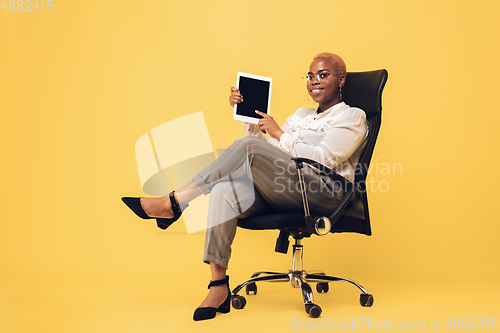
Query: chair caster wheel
(238,302)
(322,287)
(313,310)
(366,300)
(251,287)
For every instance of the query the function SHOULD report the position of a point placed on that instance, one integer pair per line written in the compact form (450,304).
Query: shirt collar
(332,109)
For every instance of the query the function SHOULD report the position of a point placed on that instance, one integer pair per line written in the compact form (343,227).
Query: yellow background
(79,85)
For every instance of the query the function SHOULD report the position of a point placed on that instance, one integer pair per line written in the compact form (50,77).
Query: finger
(235,100)
(265,115)
(234,89)
(236,95)
(262,125)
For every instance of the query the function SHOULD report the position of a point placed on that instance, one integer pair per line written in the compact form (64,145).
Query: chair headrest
(364,90)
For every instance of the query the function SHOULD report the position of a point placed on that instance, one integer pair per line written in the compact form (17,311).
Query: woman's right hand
(235,96)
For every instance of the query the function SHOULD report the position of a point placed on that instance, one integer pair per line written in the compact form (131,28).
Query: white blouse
(333,138)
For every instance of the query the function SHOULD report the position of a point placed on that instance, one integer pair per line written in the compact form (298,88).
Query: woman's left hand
(269,125)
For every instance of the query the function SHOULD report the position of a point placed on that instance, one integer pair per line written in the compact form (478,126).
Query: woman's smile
(316,90)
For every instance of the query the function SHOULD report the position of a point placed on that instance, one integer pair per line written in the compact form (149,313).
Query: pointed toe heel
(163,223)
(224,309)
(204,313)
(210,312)
(135,205)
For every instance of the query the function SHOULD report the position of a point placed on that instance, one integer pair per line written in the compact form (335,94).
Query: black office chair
(362,90)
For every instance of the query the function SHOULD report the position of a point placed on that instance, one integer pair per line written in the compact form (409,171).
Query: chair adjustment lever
(282,242)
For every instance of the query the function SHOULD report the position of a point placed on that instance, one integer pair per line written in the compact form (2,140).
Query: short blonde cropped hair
(335,61)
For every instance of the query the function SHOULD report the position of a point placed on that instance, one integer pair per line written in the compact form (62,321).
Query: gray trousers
(253,177)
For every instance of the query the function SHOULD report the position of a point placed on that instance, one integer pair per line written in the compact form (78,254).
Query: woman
(333,134)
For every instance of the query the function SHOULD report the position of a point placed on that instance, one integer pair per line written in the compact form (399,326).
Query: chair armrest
(332,174)
(344,183)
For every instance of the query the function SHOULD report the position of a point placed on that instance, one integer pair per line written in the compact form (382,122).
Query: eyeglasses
(321,77)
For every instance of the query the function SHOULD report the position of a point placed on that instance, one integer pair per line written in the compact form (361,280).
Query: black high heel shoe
(210,312)
(163,223)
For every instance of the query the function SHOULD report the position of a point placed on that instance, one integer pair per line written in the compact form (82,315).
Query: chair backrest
(362,90)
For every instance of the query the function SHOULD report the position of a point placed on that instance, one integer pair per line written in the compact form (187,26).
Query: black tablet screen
(255,97)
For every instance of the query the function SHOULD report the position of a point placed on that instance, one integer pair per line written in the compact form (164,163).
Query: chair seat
(287,221)
(274,221)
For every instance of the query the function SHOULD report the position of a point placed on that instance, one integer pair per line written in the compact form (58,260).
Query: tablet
(256,92)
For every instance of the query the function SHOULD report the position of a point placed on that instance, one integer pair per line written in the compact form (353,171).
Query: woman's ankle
(187,193)
(218,272)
